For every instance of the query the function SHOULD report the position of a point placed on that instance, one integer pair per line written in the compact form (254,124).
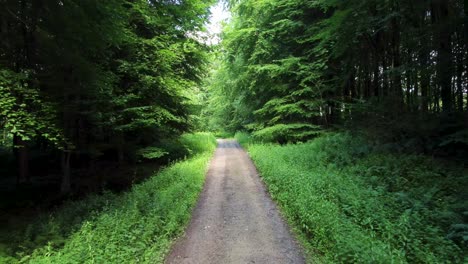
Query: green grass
(351,203)
(133,227)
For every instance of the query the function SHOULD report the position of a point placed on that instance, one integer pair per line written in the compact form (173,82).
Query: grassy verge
(351,203)
(133,227)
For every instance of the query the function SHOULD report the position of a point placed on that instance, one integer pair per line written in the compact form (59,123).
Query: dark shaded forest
(94,97)
(85,83)
(101,101)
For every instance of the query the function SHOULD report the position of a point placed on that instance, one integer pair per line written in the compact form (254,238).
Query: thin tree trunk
(376,82)
(437,99)
(65,186)
(408,90)
(367,78)
(425,80)
(460,66)
(22,159)
(385,86)
(444,52)
(120,148)
(416,92)
(396,54)
(353,85)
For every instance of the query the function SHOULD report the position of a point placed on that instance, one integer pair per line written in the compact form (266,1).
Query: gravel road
(235,220)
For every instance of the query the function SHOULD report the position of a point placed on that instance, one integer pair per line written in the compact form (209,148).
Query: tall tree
(96,77)
(295,65)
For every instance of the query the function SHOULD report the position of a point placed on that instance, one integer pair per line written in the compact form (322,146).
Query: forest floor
(235,220)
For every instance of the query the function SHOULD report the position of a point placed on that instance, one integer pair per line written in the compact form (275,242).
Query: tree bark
(416,92)
(460,66)
(376,80)
(408,90)
(120,148)
(444,52)
(385,86)
(65,186)
(396,56)
(68,120)
(425,76)
(22,159)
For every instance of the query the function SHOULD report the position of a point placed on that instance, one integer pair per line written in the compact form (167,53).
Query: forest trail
(235,220)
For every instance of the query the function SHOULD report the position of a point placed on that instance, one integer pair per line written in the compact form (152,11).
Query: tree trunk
(444,52)
(353,85)
(22,160)
(359,84)
(460,66)
(367,93)
(376,82)
(408,90)
(425,79)
(349,93)
(120,148)
(384,76)
(65,186)
(68,128)
(416,92)
(396,54)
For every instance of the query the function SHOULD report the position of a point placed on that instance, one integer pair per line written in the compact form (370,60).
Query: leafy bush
(151,153)
(187,145)
(224,134)
(287,133)
(354,204)
(137,226)
(199,142)
(243,138)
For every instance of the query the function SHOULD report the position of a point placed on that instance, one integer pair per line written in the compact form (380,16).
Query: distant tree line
(85,80)
(290,68)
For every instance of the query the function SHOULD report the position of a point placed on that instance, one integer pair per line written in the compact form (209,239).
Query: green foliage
(224,134)
(137,226)
(459,137)
(199,142)
(243,138)
(352,203)
(151,153)
(28,116)
(270,81)
(371,64)
(98,77)
(223,110)
(284,133)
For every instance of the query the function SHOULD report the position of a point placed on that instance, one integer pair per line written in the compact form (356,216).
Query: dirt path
(235,220)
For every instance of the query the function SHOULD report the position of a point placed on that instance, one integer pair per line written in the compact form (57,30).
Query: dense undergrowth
(353,203)
(137,226)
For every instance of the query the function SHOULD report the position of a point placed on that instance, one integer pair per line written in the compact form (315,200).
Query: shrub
(243,138)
